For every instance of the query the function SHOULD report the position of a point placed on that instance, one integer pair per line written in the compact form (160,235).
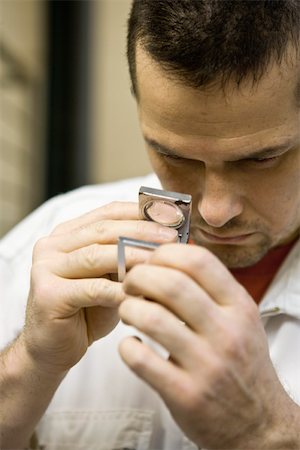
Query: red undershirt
(257,278)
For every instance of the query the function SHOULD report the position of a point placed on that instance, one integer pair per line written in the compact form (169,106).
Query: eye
(263,161)
(172,157)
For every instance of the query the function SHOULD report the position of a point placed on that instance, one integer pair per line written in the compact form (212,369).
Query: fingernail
(168,233)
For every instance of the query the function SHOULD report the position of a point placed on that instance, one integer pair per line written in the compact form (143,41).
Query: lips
(224,239)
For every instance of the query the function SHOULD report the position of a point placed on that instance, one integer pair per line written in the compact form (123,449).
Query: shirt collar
(283,294)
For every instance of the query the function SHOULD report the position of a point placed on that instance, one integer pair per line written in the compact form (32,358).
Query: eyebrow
(260,153)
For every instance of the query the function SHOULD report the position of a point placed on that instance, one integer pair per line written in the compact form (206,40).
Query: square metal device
(171,209)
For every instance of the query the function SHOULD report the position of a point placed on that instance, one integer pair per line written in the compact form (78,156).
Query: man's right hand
(73,298)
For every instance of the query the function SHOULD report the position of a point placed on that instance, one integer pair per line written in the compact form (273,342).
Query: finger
(77,294)
(177,292)
(204,268)
(162,375)
(94,261)
(112,211)
(109,231)
(161,325)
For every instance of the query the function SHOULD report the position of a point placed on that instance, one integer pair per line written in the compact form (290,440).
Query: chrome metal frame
(137,243)
(182,201)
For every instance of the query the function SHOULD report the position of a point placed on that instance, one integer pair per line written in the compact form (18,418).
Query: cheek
(288,204)
(276,200)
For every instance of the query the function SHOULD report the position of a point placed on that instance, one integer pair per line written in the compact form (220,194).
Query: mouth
(235,239)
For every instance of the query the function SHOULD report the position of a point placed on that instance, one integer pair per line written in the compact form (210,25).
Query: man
(217,89)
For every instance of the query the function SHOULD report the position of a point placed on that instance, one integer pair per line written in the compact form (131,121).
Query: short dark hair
(205,42)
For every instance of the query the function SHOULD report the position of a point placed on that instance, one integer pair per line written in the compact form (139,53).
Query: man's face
(236,152)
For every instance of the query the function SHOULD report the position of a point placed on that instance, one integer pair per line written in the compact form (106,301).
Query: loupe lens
(164,212)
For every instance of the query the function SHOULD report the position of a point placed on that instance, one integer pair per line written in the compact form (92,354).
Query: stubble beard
(234,256)
(237,256)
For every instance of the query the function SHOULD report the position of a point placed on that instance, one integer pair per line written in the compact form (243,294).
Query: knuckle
(152,319)
(90,257)
(105,286)
(141,226)
(201,258)
(80,229)
(135,256)
(147,228)
(109,291)
(41,246)
(110,208)
(110,205)
(114,204)
(135,272)
(186,394)
(102,227)
(216,370)
(197,394)
(160,252)
(175,286)
(92,291)
(59,229)
(132,279)
(234,346)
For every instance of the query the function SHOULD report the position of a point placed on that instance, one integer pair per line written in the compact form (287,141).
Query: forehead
(165,104)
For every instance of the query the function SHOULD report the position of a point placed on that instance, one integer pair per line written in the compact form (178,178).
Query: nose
(220,199)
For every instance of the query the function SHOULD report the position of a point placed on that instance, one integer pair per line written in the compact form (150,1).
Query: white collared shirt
(101,405)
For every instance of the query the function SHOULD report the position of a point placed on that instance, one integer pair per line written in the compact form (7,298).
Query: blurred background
(67,117)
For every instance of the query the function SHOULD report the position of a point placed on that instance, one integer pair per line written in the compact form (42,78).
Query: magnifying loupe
(171,209)
(163,212)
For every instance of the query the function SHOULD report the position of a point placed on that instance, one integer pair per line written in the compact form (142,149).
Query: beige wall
(22,101)
(22,26)
(117,147)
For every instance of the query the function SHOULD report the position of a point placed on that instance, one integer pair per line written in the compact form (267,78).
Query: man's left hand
(219,382)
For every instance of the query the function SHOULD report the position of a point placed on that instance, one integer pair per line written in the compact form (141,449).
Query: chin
(234,257)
